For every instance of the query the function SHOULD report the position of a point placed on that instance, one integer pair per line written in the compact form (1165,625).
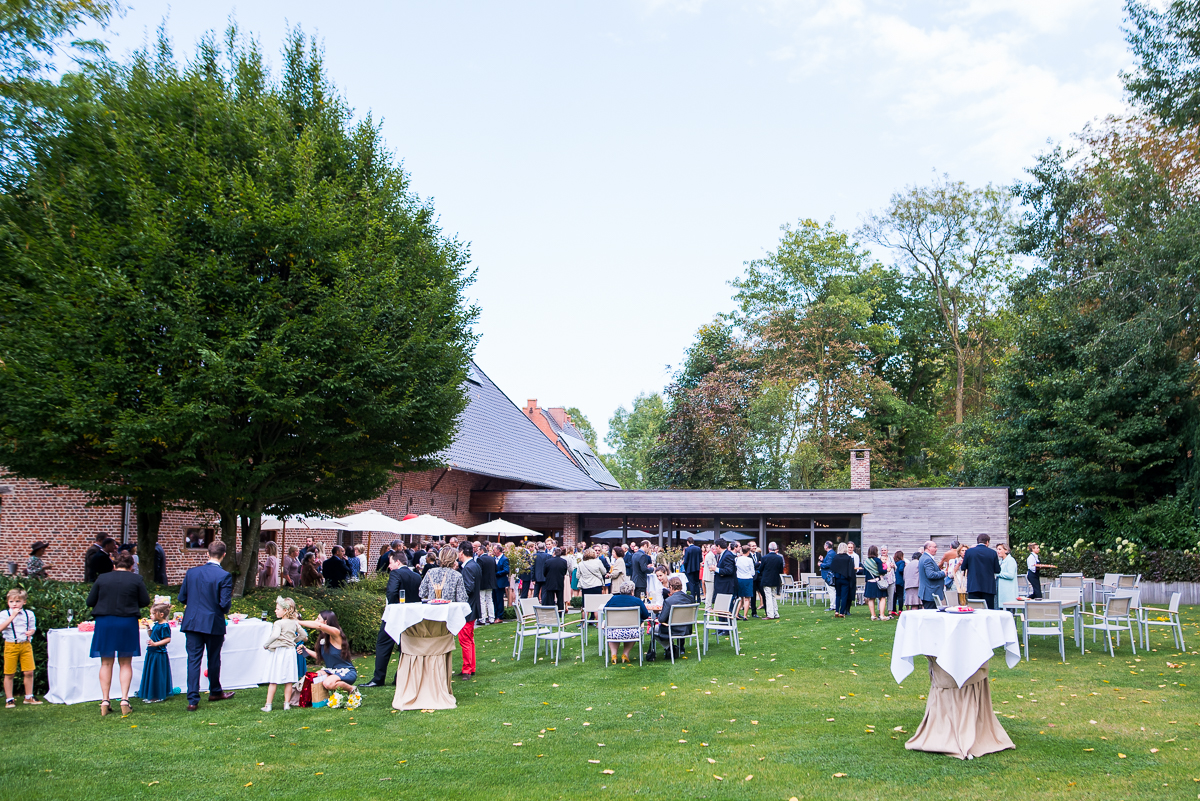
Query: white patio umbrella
(615,534)
(502,528)
(371,520)
(431,526)
(272,523)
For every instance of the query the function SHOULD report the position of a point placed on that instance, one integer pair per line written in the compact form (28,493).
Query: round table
(427,636)
(958,711)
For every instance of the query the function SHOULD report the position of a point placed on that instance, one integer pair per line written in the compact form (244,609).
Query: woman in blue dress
(156,667)
(333,650)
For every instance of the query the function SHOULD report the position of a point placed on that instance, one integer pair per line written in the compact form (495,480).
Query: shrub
(358,606)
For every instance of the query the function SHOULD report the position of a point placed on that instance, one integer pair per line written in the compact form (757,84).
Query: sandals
(126,709)
(105,708)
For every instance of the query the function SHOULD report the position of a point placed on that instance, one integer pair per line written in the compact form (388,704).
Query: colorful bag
(306,691)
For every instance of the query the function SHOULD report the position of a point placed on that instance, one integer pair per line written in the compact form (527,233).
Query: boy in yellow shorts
(18,627)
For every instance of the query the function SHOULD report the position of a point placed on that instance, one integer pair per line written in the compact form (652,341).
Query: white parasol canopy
(503,528)
(431,526)
(272,523)
(371,520)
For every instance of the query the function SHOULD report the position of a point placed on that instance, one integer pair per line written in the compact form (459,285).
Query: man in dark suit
(772,580)
(982,564)
(630,550)
(160,564)
(472,576)
(400,577)
(676,598)
(335,570)
(503,576)
(726,579)
(307,549)
(487,585)
(691,566)
(556,569)
(757,557)
(383,563)
(206,592)
(100,559)
(643,568)
(931,579)
(539,570)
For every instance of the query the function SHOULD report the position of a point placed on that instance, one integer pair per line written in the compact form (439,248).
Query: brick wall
(860,469)
(35,510)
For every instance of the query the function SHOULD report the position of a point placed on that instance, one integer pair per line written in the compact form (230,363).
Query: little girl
(156,668)
(283,668)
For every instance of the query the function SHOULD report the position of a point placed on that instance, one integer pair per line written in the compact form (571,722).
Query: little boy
(18,628)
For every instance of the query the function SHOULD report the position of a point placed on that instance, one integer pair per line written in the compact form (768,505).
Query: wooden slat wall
(906,519)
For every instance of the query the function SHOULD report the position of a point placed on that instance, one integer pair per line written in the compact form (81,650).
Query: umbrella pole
(282,552)
(370,554)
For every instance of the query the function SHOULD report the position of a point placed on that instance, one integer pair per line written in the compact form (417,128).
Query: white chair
(1172,621)
(1127,582)
(527,626)
(939,602)
(552,629)
(1116,617)
(592,605)
(1045,619)
(621,617)
(860,586)
(1071,580)
(976,603)
(1104,587)
(1066,594)
(682,615)
(819,590)
(720,620)
(790,590)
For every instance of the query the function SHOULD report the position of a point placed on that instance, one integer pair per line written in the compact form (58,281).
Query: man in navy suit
(725,582)
(982,565)
(207,592)
(931,579)
(643,568)
(472,577)
(691,566)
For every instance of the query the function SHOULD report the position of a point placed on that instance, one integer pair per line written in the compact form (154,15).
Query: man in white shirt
(1031,565)
(852,552)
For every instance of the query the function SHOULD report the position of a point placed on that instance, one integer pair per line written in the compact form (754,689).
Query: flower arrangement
(344,700)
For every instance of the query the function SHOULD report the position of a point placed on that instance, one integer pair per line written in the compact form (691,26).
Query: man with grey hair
(773,569)
(932,580)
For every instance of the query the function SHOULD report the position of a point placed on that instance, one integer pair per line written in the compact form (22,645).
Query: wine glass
(263,616)
(70,616)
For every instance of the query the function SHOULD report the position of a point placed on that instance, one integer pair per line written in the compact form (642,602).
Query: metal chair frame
(1045,613)
(552,629)
(688,616)
(621,617)
(1117,609)
(720,619)
(1173,622)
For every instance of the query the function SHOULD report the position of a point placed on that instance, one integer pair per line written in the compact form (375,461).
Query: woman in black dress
(843,580)
(116,600)
(873,567)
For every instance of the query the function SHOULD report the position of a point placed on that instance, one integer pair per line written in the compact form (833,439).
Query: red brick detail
(860,468)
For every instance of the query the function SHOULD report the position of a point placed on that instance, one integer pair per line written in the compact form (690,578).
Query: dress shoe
(371,683)
(193,707)
(220,696)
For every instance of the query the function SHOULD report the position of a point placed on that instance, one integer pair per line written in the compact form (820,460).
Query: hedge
(1156,566)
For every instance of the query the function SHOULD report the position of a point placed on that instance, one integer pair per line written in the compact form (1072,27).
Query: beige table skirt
(423,675)
(959,720)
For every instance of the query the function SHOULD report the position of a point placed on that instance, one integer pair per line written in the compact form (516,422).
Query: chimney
(860,468)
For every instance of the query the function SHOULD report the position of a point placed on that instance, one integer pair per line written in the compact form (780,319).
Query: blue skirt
(156,675)
(116,636)
(745,588)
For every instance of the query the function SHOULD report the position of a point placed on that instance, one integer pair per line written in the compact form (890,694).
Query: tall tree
(225,296)
(583,426)
(633,435)
(957,239)
(1166,44)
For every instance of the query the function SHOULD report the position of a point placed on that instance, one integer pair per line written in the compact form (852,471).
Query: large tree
(224,295)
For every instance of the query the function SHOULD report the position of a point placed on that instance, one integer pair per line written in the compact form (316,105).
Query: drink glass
(402,597)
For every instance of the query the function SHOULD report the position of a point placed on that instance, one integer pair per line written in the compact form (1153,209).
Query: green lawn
(531,732)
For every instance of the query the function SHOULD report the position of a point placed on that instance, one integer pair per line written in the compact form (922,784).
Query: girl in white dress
(283,668)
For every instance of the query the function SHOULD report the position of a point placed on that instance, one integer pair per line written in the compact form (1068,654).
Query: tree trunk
(247,574)
(147,537)
(958,384)
(229,536)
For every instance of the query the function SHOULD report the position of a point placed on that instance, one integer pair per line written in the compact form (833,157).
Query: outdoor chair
(976,603)
(682,615)
(1064,595)
(1104,588)
(1045,619)
(817,588)
(720,620)
(1172,622)
(552,629)
(1126,582)
(620,617)
(860,587)
(789,589)
(939,601)
(592,604)
(1071,580)
(1116,617)
(527,626)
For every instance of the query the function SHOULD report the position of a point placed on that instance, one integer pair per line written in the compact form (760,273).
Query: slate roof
(570,436)
(495,438)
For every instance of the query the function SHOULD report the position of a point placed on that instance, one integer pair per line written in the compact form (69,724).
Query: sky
(614,164)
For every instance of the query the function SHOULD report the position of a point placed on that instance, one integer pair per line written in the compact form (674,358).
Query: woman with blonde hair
(444,582)
(291,567)
(268,568)
(591,573)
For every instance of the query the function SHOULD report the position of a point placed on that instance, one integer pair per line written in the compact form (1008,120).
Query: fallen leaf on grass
(151,784)
(1120,756)
(594,761)
(248,784)
(839,775)
(517,743)
(608,772)
(712,761)
(718,778)
(748,778)
(1089,749)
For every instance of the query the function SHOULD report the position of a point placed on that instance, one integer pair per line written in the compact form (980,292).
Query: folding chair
(1172,621)
(818,589)
(527,626)
(719,619)
(682,615)
(976,603)
(592,604)
(1115,611)
(619,617)
(552,629)
(1045,618)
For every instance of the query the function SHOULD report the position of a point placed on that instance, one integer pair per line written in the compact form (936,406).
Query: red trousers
(466,639)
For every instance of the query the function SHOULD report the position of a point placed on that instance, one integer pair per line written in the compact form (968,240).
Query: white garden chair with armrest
(1065,594)
(939,601)
(860,587)
(527,626)
(551,628)
(1127,582)
(592,605)
(1172,621)
(1045,619)
(1071,580)
(1116,617)
(818,589)
(1104,588)
(789,589)
(976,603)
(719,619)
(683,615)
(621,617)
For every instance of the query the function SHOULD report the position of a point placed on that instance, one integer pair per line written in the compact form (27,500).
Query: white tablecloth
(398,617)
(75,677)
(961,643)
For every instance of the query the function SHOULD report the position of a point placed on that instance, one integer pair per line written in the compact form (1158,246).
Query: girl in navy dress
(156,668)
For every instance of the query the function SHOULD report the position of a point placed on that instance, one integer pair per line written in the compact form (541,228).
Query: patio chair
(720,620)
(682,615)
(860,586)
(527,626)
(1063,595)
(818,589)
(592,604)
(1116,617)
(619,617)
(1172,622)
(1045,619)
(976,603)
(939,602)
(1127,582)
(1104,588)
(789,589)
(551,628)
(1071,580)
